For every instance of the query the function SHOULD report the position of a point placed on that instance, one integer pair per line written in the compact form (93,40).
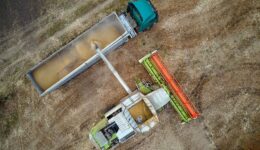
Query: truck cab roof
(143,12)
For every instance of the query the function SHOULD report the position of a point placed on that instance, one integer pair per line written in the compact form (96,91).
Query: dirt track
(212,47)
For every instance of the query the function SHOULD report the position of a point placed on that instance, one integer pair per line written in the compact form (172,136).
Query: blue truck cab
(144,14)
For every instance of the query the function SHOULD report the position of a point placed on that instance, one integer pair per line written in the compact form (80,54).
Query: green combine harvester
(136,113)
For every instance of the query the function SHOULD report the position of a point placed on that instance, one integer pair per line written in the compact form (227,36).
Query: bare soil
(211,46)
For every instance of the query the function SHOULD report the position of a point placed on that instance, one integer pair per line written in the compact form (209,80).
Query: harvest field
(211,46)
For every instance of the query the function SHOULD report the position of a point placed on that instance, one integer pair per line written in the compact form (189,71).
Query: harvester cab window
(114,113)
(110,130)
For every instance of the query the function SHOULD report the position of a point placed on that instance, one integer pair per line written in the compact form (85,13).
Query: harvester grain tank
(75,57)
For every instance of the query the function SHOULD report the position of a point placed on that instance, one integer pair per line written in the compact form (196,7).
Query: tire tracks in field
(197,92)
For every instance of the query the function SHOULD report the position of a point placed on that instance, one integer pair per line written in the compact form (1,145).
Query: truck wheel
(149,28)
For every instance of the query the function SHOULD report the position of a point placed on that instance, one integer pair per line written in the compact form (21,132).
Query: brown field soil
(211,46)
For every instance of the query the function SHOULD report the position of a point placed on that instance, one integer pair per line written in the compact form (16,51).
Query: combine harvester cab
(162,77)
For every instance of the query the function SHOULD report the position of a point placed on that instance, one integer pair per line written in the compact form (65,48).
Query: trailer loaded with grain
(75,57)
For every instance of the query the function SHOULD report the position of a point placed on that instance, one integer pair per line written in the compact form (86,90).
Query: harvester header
(161,76)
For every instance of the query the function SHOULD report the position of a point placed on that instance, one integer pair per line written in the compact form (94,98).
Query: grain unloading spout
(95,46)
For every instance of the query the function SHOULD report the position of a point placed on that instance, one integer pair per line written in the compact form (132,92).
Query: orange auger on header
(174,85)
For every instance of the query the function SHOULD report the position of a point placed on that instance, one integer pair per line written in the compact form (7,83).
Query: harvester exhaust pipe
(95,46)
